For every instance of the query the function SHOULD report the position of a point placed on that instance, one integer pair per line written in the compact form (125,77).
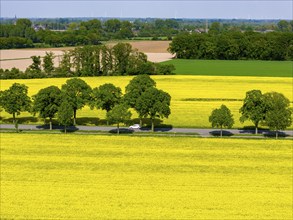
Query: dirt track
(20,58)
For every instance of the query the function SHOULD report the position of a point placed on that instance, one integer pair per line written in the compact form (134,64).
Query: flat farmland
(20,58)
(111,177)
(148,46)
(193,97)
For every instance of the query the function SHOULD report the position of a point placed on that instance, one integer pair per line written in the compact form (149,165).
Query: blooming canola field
(193,97)
(126,177)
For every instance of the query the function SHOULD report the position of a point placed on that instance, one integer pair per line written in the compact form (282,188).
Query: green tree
(119,114)
(165,69)
(112,25)
(65,113)
(126,30)
(35,67)
(106,96)
(121,52)
(23,28)
(154,103)
(93,25)
(215,28)
(15,100)
(23,22)
(107,61)
(221,118)
(253,108)
(77,93)
(48,64)
(136,87)
(279,114)
(86,60)
(284,26)
(65,64)
(46,102)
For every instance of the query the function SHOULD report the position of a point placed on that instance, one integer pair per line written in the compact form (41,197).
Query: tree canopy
(77,93)
(154,103)
(15,100)
(253,108)
(119,114)
(279,114)
(221,118)
(233,45)
(106,96)
(46,102)
(136,87)
(65,114)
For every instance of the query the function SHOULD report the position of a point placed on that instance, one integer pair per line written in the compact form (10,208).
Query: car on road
(135,126)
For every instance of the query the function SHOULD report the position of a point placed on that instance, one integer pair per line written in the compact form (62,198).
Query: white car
(135,126)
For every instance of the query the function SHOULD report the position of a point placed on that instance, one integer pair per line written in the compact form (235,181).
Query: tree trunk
(50,123)
(117,128)
(221,132)
(15,122)
(153,126)
(276,134)
(74,117)
(65,129)
(256,128)
(140,121)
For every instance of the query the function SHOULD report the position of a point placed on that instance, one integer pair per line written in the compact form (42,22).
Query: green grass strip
(233,67)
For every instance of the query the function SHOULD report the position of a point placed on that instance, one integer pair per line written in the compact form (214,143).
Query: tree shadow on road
(217,133)
(251,130)
(272,134)
(121,131)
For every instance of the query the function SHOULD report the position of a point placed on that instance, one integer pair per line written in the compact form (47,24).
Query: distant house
(199,30)
(38,27)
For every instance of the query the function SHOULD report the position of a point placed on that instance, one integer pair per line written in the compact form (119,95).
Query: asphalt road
(200,131)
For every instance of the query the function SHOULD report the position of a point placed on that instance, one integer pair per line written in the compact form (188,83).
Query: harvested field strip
(99,177)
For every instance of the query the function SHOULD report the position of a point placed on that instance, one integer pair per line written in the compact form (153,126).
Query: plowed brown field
(20,58)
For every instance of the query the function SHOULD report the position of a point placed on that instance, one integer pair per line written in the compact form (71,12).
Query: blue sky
(262,9)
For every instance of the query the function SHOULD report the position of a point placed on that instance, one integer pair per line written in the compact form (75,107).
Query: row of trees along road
(101,60)
(234,45)
(76,93)
(271,109)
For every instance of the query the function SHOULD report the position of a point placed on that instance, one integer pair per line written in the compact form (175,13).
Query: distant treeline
(23,33)
(234,46)
(97,60)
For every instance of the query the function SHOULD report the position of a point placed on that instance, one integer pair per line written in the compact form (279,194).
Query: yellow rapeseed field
(184,113)
(57,176)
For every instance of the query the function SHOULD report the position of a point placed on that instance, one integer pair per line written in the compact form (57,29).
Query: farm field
(156,51)
(121,177)
(233,67)
(193,97)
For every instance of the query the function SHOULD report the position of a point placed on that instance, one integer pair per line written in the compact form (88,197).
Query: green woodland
(233,46)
